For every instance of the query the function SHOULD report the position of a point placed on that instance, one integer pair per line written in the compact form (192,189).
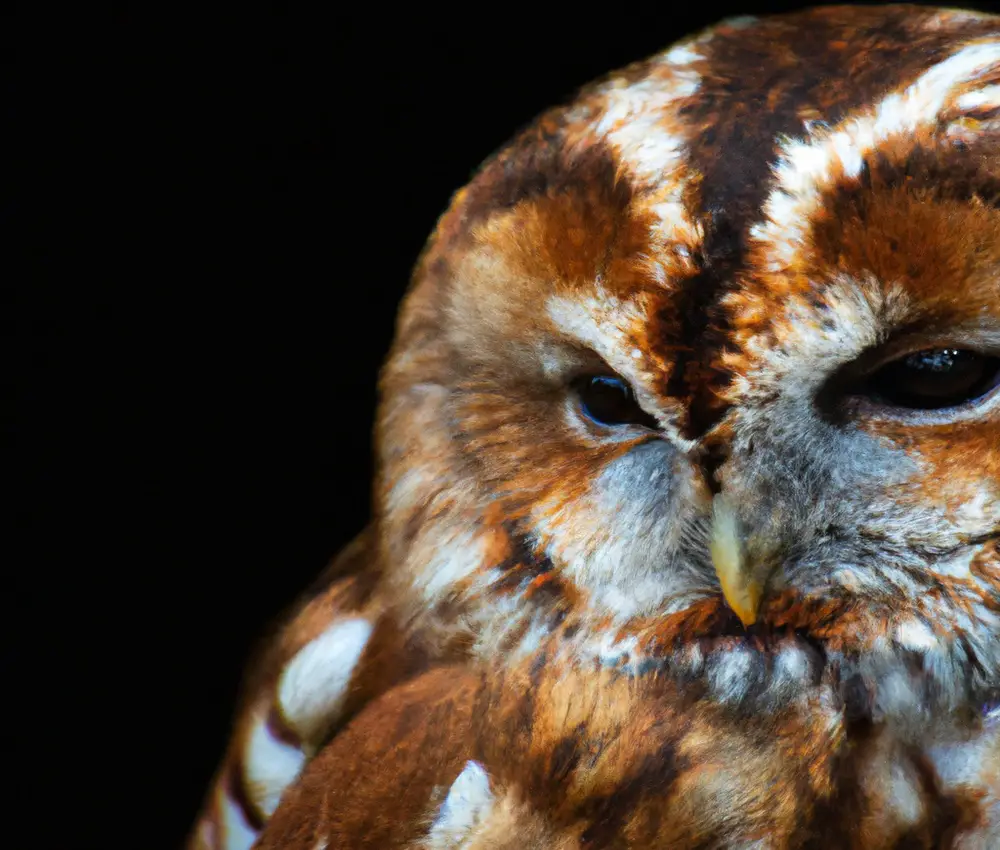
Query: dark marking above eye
(934,379)
(609,400)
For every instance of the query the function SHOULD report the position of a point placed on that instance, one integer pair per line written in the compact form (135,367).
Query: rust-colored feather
(548,636)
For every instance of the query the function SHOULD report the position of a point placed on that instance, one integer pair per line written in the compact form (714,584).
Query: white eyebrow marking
(639,123)
(807,167)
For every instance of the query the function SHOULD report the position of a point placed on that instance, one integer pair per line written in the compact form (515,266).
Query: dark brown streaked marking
(235,786)
(932,174)
(279,728)
(833,821)
(949,814)
(656,772)
(567,754)
(523,566)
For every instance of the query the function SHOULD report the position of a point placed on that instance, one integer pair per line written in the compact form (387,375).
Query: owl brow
(733,151)
(922,170)
(541,162)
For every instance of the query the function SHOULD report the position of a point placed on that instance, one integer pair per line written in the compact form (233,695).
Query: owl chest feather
(600,756)
(576,762)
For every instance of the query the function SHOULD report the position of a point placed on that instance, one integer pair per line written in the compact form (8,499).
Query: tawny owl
(687,530)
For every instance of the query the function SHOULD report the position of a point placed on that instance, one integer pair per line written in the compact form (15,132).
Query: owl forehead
(702,202)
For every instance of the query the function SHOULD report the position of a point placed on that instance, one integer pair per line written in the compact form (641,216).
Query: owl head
(702,373)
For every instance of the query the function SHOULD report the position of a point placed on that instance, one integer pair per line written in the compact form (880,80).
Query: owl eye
(935,378)
(609,400)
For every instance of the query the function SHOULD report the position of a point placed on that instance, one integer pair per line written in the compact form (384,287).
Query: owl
(687,521)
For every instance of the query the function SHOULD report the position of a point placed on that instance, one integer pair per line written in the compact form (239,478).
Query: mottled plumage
(779,243)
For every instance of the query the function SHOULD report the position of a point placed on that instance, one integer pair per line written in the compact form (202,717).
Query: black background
(220,218)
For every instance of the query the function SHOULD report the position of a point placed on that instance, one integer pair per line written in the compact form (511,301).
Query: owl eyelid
(871,361)
(589,365)
(915,337)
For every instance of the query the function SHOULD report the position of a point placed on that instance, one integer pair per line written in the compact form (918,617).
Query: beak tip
(747,612)
(741,591)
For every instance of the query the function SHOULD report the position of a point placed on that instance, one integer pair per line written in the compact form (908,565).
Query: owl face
(702,372)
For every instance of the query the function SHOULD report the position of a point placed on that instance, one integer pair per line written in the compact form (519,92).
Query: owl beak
(740,588)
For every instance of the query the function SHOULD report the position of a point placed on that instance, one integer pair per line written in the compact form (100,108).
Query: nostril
(991,710)
(711,460)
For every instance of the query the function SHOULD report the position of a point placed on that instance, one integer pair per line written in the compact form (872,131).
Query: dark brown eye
(935,378)
(608,400)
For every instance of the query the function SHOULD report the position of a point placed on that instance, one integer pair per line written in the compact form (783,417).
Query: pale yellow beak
(740,588)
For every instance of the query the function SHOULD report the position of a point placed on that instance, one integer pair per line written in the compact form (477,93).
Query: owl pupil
(609,400)
(936,378)
(938,360)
